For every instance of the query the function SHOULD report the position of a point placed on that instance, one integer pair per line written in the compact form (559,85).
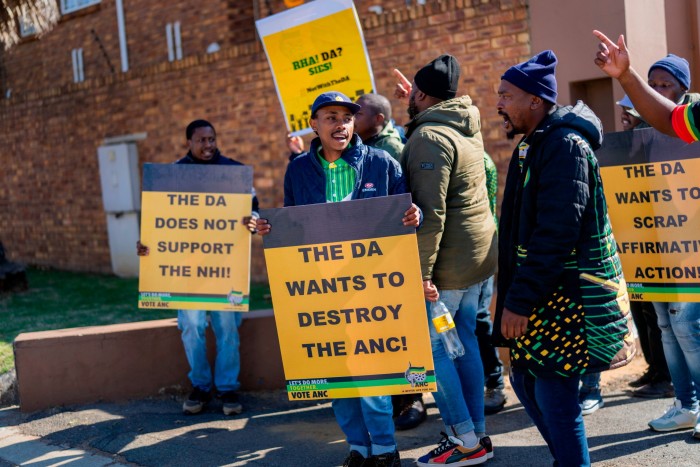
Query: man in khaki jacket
(443,161)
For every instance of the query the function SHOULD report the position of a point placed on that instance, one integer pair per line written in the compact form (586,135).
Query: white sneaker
(675,418)
(696,430)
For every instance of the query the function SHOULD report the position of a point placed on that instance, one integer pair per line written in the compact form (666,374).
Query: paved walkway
(273,431)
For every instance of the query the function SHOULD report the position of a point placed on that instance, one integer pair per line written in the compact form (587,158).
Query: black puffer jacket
(558,262)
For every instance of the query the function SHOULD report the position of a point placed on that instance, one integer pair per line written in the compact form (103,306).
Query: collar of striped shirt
(340,178)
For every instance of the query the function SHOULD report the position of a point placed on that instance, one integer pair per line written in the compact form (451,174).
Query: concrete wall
(124,361)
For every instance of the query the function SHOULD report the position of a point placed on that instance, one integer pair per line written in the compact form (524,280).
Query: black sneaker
(648,377)
(355,459)
(411,416)
(196,401)
(231,404)
(390,459)
(494,400)
(488,445)
(655,390)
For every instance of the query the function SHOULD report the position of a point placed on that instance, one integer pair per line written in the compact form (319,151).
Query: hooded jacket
(388,139)
(444,165)
(376,174)
(558,262)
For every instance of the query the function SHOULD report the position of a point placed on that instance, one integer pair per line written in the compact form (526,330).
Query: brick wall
(50,202)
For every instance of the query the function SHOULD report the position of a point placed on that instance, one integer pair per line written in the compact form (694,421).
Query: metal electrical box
(119,176)
(121,197)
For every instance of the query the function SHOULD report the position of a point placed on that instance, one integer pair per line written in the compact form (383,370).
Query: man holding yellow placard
(339,167)
(203,151)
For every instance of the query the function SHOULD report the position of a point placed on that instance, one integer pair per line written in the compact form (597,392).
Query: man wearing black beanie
(562,304)
(444,164)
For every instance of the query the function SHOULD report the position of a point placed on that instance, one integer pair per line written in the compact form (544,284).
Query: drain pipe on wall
(122,36)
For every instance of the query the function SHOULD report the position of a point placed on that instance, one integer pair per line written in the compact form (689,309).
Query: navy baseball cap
(334,98)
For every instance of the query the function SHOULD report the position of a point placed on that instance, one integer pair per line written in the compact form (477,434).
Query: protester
(678,322)
(655,382)
(670,77)
(494,394)
(560,287)
(659,112)
(629,117)
(374,126)
(201,141)
(444,165)
(337,168)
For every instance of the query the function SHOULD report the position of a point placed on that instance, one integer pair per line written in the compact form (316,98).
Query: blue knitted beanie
(536,76)
(677,66)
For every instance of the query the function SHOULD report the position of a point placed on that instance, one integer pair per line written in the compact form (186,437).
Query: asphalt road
(273,431)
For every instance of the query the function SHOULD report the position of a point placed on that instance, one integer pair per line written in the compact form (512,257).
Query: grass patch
(58,300)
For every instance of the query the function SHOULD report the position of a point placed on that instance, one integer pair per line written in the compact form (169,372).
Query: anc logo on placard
(415,374)
(235,297)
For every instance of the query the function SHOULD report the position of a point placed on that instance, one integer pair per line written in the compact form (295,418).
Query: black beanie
(439,78)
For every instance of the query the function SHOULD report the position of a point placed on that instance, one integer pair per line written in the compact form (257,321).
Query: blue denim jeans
(493,367)
(552,404)
(680,335)
(367,423)
(590,382)
(460,382)
(193,324)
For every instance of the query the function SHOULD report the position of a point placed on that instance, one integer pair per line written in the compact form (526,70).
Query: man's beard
(412,109)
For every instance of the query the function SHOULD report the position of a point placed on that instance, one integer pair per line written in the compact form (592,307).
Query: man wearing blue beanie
(670,77)
(558,269)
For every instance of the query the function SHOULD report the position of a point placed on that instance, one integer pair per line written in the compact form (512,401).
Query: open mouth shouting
(507,124)
(341,136)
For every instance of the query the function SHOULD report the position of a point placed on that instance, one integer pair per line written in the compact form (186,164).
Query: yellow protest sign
(348,299)
(311,49)
(653,196)
(192,222)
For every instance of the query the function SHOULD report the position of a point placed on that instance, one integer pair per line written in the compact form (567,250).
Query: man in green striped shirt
(339,167)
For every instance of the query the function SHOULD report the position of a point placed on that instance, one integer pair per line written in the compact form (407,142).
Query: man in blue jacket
(339,167)
(559,275)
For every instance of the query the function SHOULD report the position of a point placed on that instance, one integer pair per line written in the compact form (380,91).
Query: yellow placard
(653,208)
(308,56)
(350,315)
(199,255)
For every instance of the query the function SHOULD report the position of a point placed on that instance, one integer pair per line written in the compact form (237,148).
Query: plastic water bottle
(445,326)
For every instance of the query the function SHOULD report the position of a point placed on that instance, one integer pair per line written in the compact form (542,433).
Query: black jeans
(650,339)
(493,367)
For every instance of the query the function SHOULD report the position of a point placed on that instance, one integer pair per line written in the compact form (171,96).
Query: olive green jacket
(388,139)
(443,161)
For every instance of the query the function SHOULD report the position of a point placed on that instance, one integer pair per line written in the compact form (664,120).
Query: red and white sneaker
(451,452)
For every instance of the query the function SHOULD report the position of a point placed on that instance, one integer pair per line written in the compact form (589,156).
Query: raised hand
(403,85)
(295,144)
(613,59)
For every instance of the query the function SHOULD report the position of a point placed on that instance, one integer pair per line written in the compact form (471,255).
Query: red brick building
(51,210)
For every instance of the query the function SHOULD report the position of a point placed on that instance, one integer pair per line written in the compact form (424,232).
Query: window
(69,6)
(26,27)
(78,70)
